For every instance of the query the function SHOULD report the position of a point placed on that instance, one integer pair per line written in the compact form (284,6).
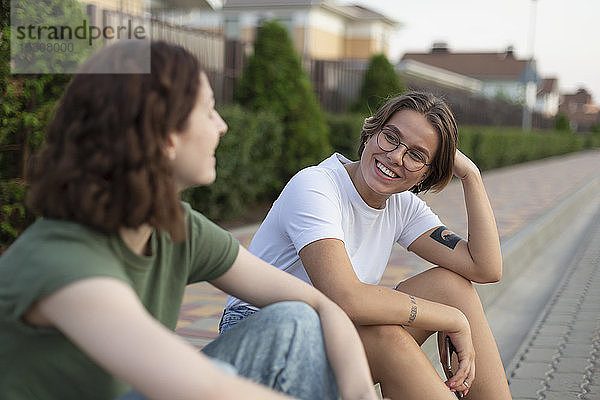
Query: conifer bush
(380,83)
(273,80)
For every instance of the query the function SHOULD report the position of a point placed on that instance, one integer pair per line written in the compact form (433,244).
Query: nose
(221,125)
(397,155)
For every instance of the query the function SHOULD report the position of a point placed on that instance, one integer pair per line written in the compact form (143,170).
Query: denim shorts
(233,315)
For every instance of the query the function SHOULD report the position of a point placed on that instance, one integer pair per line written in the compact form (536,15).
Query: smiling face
(192,151)
(381,174)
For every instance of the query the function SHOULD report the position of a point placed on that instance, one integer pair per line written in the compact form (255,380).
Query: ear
(171,146)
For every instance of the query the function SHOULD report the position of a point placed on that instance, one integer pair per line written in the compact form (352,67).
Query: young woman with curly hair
(90,293)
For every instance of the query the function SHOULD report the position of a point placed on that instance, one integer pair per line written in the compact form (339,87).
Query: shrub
(40,52)
(248,166)
(274,80)
(593,139)
(27,105)
(13,216)
(562,123)
(345,133)
(379,84)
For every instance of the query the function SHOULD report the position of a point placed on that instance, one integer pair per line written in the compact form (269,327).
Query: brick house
(131,7)
(583,114)
(319,29)
(499,75)
(141,7)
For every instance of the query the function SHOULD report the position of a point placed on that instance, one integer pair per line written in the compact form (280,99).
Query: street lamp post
(530,84)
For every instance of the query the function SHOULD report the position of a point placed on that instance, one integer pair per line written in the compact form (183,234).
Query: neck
(137,239)
(373,200)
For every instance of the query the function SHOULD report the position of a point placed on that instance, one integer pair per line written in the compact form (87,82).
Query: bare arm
(479,259)
(330,270)
(259,283)
(140,351)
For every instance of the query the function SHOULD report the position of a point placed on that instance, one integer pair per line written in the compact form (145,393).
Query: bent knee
(387,335)
(452,281)
(293,314)
(455,290)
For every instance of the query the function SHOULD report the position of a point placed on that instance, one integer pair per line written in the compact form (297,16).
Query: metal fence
(209,48)
(336,83)
(472,109)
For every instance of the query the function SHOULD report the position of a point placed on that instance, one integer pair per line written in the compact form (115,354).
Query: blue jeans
(281,346)
(231,316)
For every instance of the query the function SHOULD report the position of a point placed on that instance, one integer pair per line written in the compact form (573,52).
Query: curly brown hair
(438,113)
(103,164)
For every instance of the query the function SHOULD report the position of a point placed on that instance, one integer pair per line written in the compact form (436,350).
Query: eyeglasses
(388,140)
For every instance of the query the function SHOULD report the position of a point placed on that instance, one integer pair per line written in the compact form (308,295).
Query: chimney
(439,48)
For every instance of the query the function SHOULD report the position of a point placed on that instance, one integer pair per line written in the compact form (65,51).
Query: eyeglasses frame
(394,149)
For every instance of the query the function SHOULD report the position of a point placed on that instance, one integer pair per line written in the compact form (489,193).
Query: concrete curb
(569,270)
(521,249)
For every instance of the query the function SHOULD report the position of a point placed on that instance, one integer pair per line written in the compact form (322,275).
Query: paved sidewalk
(519,195)
(560,359)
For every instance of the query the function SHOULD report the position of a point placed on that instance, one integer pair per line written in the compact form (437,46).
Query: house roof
(549,85)
(480,65)
(186,4)
(358,12)
(412,68)
(354,12)
(271,3)
(582,96)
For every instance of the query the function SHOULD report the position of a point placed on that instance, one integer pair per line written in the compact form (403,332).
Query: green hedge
(493,147)
(249,162)
(593,139)
(248,167)
(489,147)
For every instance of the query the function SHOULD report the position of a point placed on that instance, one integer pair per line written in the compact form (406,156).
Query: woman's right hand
(461,339)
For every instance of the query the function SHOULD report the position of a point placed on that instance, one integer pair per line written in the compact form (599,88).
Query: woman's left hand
(457,381)
(463,166)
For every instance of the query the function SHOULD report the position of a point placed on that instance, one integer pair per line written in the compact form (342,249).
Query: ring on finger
(466,384)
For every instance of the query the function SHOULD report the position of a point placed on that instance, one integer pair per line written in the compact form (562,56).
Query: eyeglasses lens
(388,141)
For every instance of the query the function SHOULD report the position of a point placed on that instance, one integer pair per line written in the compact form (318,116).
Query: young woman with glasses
(334,226)
(90,293)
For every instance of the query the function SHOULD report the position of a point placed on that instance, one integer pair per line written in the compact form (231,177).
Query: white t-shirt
(321,202)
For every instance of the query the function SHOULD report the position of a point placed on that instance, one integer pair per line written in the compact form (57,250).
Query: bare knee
(381,338)
(390,349)
(392,334)
(454,289)
(443,286)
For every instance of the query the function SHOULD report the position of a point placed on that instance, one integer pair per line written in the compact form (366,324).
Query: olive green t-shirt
(41,363)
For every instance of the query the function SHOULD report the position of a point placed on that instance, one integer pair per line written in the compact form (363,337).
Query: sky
(566,39)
